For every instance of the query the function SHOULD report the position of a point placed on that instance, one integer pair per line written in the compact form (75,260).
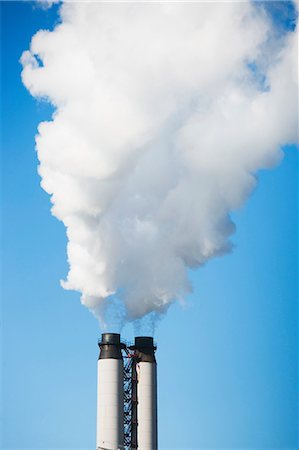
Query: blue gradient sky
(227,360)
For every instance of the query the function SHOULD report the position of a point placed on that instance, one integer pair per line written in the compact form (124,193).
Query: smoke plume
(164,113)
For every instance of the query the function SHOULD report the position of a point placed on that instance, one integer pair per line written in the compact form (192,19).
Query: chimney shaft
(110,400)
(146,371)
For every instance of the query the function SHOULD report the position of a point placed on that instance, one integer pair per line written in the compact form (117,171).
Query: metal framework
(130,396)
(130,400)
(127,402)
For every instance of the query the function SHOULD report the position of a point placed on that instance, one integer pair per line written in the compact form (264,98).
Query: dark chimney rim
(111,339)
(144,341)
(144,344)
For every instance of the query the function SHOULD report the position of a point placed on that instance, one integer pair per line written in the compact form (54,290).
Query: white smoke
(164,112)
(46,4)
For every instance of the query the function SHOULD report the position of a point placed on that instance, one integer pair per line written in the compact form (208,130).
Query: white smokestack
(164,113)
(146,368)
(110,399)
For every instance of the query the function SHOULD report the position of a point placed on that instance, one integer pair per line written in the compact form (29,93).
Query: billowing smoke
(164,113)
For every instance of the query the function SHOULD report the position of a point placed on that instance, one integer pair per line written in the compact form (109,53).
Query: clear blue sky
(227,361)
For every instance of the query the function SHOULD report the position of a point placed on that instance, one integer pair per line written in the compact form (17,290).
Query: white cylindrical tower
(110,402)
(146,370)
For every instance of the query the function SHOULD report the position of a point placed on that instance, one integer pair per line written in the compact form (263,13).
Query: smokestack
(146,391)
(127,395)
(110,401)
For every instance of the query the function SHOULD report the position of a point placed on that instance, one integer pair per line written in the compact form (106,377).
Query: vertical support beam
(134,443)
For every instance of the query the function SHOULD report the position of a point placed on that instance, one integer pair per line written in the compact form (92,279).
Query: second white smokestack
(146,371)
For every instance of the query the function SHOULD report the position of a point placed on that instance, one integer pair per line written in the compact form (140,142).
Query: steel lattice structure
(128,401)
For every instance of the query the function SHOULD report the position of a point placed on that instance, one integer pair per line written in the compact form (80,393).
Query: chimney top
(145,349)
(110,338)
